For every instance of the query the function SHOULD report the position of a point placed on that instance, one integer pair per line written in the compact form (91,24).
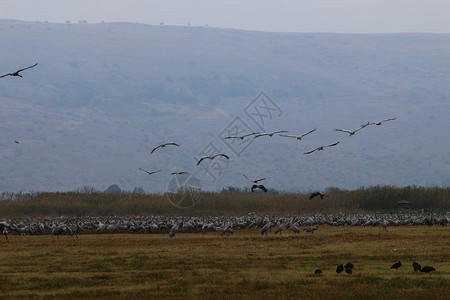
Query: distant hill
(104,94)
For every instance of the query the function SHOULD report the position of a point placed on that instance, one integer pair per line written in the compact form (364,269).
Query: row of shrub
(377,198)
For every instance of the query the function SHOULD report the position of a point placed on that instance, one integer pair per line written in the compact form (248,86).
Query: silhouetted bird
(348,271)
(396,265)
(16,142)
(349,266)
(16,73)
(164,145)
(427,269)
(352,132)
(379,122)
(259,186)
(416,266)
(316,194)
(148,172)
(339,268)
(254,181)
(321,148)
(212,157)
(318,271)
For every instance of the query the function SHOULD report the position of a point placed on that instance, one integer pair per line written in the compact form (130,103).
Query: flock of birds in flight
(241,137)
(255,135)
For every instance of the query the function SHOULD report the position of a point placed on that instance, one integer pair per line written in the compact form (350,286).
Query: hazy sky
(350,16)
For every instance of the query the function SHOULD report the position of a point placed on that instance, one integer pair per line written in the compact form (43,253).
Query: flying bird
(270,133)
(259,186)
(178,173)
(212,157)
(149,173)
(352,132)
(164,145)
(321,148)
(316,194)
(379,122)
(298,137)
(241,136)
(16,73)
(254,181)
(16,142)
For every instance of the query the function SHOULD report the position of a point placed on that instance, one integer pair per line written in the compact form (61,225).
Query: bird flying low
(178,173)
(16,73)
(379,122)
(241,136)
(321,148)
(212,157)
(254,181)
(298,137)
(149,173)
(164,145)
(352,132)
(316,194)
(270,134)
(259,186)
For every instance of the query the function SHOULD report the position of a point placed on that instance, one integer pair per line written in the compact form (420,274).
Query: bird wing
(362,126)
(309,152)
(221,154)
(246,177)
(344,130)
(232,137)
(201,159)
(250,134)
(258,180)
(261,134)
(26,68)
(9,74)
(306,133)
(331,145)
(279,131)
(262,188)
(171,143)
(391,119)
(156,148)
(286,135)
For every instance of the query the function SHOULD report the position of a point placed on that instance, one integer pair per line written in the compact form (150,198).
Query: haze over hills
(103,95)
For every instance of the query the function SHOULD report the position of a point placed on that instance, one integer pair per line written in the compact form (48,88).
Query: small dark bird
(254,181)
(164,145)
(416,266)
(16,73)
(352,132)
(318,271)
(149,173)
(349,266)
(348,271)
(380,122)
(316,194)
(396,265)
(212,157)
(321,148)
(427,269)
(339,268)
(298,137)
(270,134)
(178,173)
(259,186)
(241,136)
(16,142)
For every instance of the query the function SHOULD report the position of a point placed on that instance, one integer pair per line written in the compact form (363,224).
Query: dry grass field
(244,265)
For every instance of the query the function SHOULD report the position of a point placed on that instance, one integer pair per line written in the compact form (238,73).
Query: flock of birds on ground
(222,225)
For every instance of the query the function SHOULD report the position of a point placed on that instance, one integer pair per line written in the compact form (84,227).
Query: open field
(244,265)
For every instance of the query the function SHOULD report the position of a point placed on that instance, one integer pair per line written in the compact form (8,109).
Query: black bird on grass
(318,271)
(259,186)
(396,265)
(339,268)
(316,194)
(349,266)
(427,269)
(16,73)
(416,266)
(348,270)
